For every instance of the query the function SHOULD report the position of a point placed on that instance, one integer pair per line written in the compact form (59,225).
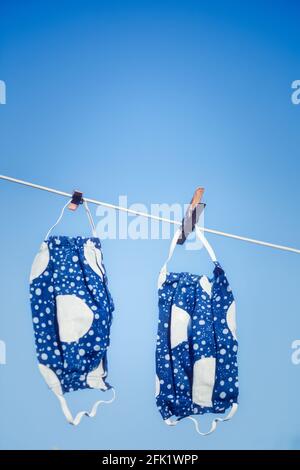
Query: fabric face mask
(72,314)
(196,352)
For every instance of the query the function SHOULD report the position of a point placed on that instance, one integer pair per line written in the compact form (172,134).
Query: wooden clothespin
(192,215)
(76,200)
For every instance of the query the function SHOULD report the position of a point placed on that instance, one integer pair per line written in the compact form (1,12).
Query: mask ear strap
(90,217)
(214,423)
(75,421)
(206,244)
(62,213)
(163,271)
(58,220)
(201,237)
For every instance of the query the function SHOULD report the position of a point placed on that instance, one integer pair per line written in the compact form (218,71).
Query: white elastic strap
(177,234)
(205,242)
(214,423)
(171,250)
(75,421)
(90,217)
(58,220)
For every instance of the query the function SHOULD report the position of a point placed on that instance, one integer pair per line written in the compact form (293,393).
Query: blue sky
(150,100)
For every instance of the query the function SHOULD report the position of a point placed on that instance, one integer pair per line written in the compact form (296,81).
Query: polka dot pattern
(206,301)
(68,275)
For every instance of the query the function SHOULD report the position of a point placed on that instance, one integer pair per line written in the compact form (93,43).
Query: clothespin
(76,200)
(192,215)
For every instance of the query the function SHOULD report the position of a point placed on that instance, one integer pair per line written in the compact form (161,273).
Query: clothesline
(150,216)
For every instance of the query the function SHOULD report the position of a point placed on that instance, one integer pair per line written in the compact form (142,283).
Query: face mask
(196,353)
(72,314)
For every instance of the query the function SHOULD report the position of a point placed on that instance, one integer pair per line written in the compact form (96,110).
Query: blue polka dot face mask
(72,314)
(196,353)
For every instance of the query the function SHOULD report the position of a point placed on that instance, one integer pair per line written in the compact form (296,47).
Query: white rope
(151,216)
